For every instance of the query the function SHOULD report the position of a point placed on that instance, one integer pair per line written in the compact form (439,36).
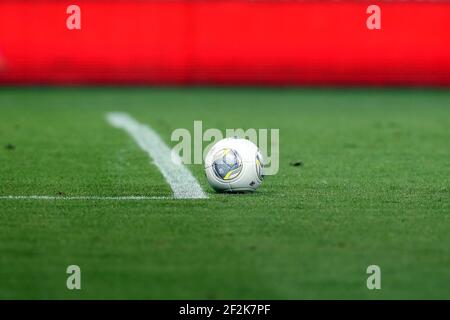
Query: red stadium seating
(225,42)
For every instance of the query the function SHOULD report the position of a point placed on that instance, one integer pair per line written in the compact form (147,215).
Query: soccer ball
(234,165)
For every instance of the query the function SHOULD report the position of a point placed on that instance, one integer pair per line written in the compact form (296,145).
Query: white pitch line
(35,197)
(180,179)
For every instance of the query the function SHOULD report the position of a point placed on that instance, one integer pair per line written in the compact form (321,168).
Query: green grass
(374,189)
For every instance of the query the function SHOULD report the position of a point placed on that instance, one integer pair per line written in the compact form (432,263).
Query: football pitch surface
(373,187)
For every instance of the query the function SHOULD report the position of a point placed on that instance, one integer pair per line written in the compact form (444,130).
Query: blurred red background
(225,42)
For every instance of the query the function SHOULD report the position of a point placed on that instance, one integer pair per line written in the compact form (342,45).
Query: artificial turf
(373,187)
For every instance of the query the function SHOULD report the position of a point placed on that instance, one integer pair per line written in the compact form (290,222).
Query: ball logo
(227,164)
(259,166)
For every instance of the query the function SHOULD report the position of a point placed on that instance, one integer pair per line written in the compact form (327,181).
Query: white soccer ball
(234,165)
